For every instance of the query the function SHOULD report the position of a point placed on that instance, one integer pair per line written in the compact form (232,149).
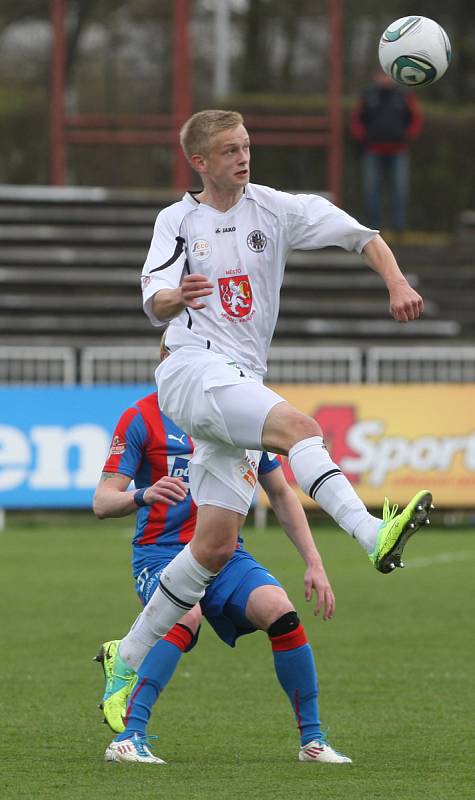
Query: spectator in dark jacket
(385,121)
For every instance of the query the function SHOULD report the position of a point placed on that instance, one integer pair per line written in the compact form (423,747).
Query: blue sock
(153,675)
(297,675)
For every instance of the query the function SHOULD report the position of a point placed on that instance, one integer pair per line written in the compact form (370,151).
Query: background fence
(287,364)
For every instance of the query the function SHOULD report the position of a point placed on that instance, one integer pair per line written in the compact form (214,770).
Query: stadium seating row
(70,261)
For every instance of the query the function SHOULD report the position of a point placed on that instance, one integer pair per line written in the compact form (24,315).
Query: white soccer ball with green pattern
(414,51)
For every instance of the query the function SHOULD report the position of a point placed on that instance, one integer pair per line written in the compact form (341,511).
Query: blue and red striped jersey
(146,445)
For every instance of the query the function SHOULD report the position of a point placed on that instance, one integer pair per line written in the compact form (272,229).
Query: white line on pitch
(442,558)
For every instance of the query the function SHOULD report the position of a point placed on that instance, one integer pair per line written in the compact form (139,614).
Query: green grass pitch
(396,671)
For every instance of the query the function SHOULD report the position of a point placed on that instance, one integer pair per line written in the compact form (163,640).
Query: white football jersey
(243,253)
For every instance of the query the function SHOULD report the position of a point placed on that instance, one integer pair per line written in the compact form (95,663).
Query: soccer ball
(414,51)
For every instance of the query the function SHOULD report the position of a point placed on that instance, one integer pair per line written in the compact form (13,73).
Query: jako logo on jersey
(225,230)
(200,249)
(257,241)
(236,295)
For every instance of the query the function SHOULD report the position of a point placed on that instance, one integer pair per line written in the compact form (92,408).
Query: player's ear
(198,162)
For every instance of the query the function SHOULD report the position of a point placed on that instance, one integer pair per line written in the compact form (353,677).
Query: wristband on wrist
(139,497)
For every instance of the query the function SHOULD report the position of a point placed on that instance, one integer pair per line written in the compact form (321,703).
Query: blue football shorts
(225,599)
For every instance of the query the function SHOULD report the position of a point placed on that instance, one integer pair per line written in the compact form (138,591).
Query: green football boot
(396,529)
(120,681)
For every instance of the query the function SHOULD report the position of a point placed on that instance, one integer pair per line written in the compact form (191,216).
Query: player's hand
(316,580)
(166,490)
(405,303)
(193,287)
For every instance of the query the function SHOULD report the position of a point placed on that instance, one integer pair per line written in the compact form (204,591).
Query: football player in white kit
(235,234)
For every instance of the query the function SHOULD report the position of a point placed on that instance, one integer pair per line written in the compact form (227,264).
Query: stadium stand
(70,260)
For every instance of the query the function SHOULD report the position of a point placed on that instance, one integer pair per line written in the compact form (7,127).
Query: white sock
(366,532)
(182,585)
(322,479)
(136,644)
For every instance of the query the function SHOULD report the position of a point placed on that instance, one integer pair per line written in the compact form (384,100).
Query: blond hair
(196,133)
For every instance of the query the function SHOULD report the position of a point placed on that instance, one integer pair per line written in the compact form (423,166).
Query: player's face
(227,163)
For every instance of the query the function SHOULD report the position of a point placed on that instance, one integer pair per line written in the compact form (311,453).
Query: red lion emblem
(236,295)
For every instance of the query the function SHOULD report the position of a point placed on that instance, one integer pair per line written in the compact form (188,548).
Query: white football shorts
(223,408)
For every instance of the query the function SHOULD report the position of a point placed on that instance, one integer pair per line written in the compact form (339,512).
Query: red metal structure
(297,131)
(57,122)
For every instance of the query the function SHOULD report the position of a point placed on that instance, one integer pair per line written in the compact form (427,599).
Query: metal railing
(118,364)
(315,365)
(420,364)
(33,365)
(287,364)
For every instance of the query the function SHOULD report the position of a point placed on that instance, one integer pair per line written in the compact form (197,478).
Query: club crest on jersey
(236,295)
(257,241)
(200,249)
(117,447)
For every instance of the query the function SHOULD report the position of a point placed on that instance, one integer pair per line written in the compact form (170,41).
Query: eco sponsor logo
(200,249)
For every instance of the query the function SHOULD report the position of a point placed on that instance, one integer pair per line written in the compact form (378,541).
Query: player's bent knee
(302,427)
(285,426)
(266,604)
(287,633)
(215,558)
(287,623)
(223,553)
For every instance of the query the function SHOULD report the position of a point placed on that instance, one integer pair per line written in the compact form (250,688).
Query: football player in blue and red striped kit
(149,449)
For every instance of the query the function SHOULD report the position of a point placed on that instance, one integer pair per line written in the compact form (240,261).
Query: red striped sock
(179,635)
(289,641)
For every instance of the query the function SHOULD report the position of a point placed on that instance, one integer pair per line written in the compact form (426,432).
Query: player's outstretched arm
(405,304)
(168,303)
(111,498)
(289,511)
